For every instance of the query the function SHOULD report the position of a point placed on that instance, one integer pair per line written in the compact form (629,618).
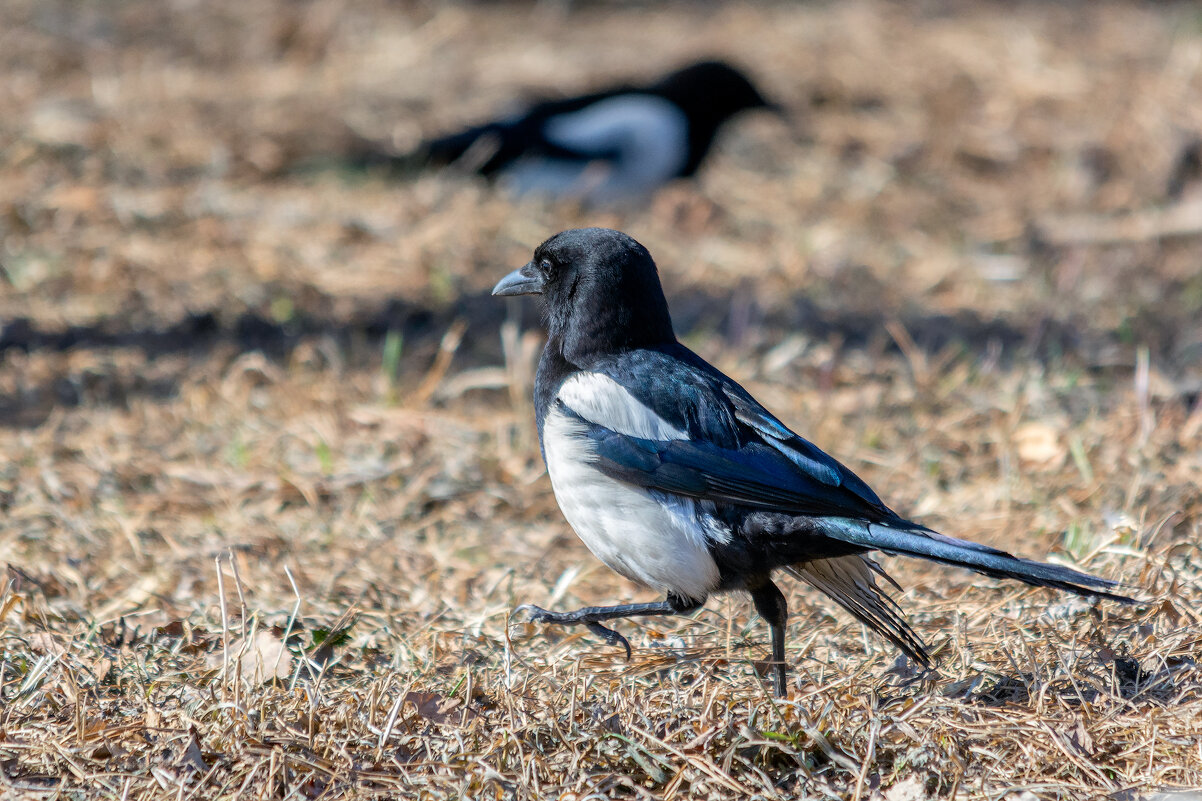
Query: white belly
(657,541)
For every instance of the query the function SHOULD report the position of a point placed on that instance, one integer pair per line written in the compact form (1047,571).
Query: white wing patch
(647,135)
(650,134)
(603,401)
(656,540)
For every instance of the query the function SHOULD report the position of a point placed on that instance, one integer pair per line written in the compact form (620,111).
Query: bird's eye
(545,265)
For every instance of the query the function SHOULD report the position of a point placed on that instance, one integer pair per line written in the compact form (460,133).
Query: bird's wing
(677,425)
(803,453)
(753,475)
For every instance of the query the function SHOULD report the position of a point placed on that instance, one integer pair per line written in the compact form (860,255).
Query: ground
(270,485)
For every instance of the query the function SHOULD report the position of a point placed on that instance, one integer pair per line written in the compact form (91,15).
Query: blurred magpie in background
(614,145)
(675,477)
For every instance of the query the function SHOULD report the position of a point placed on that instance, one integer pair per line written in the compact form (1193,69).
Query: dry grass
(260,547)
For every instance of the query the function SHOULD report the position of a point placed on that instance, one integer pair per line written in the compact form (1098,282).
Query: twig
(225,629)
(1179,220)
(450,343)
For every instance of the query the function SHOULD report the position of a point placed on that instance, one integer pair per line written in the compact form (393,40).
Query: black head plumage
(710,93)
(601,292)
(711,85)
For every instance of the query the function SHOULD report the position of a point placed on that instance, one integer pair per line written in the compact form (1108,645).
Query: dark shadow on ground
(358,336)
(1173,681)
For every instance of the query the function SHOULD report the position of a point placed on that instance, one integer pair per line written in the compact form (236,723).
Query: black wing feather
(746,455)
(755,475)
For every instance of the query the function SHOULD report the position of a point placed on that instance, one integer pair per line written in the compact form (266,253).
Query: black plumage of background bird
(610,146)
(676,478)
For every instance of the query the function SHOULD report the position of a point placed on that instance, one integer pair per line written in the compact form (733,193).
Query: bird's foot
(580,617)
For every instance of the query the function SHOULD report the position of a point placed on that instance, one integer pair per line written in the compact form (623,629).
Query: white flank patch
(662,546)
(603,401)
(648,135)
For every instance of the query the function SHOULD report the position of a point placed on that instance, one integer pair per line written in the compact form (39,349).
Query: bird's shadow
(356,338)
(1102,675)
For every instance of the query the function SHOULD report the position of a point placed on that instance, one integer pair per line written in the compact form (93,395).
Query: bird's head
(600,289)
(713,89)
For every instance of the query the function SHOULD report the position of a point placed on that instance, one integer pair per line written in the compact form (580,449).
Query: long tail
(926,544)
(450,148)
(477,147)
(850,582)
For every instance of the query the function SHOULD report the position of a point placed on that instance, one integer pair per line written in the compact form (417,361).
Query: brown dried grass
(235,576)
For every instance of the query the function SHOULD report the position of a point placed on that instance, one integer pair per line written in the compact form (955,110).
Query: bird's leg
(591,616)
(770,603)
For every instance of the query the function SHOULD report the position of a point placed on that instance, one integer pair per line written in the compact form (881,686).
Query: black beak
(526,281)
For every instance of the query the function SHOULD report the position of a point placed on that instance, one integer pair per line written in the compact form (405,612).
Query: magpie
(677,478)
(609,146)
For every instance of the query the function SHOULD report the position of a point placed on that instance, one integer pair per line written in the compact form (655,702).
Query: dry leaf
(43,642)
(100,669)
(262,659)
(1039,446)
(1169,611)
(911,788)
(437,708)
(193,757)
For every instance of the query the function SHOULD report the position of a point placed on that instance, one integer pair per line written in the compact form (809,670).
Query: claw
(537,613)
(612,637)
